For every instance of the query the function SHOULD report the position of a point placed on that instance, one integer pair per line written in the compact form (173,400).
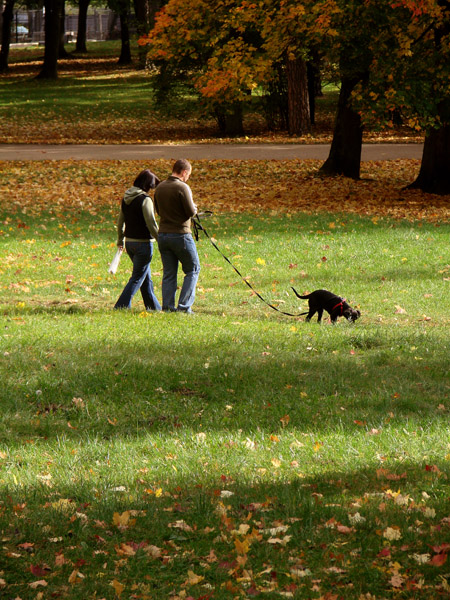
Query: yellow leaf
(118,587)
(74,576)
(260,261)
(194,579)
(121,519)
(242,547)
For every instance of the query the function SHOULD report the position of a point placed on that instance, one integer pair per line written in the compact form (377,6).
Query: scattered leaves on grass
(283,187)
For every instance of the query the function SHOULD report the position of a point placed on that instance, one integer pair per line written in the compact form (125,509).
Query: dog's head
(351,314)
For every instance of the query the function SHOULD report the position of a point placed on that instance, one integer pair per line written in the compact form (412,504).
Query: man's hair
(146,180)
(181,165)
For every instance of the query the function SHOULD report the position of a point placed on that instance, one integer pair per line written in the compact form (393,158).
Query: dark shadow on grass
(303,524)
(166,386)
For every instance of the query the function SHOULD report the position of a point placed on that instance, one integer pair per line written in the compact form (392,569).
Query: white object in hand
(115,262)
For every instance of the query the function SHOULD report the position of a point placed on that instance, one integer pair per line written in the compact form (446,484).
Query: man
(175,207)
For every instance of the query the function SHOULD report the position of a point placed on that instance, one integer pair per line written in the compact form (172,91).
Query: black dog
(321,300)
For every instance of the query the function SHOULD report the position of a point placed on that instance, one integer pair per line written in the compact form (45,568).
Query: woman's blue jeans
(141,278)
(177,248)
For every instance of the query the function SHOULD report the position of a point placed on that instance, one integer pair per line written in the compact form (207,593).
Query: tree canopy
(392,56)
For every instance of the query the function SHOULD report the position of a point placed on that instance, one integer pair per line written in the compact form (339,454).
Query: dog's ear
(358,314)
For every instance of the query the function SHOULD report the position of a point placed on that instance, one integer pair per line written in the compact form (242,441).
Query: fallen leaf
(36,584)
(439,559)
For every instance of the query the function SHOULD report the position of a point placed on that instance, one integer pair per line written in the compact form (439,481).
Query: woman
(138,226)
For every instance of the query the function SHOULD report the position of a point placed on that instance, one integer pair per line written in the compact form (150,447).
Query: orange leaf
(285,420)
(439,559)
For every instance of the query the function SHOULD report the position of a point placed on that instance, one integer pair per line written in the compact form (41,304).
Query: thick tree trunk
(83,6)
(52,27)
(299,121)
(125,52)
(62,52)
(345,151)
(434,175)
(8,14)
(142,12)
(230,121)
(145,11)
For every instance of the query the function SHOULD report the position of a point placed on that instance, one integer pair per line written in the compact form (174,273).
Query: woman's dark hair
(146,180)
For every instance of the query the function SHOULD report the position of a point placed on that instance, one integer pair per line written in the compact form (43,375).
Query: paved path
(198,151)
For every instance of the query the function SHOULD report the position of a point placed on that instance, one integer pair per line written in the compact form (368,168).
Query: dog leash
(199,227)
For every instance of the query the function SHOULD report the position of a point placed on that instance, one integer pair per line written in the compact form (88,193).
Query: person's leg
(140,257)
(170,269)
(147,291)
(190,264)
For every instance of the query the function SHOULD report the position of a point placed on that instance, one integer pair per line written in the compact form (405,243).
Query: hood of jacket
(132,193)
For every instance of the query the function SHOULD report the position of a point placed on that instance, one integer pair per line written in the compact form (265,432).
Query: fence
(28,26)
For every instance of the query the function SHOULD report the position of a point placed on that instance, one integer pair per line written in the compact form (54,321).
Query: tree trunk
(112,27)
(62,52)
(314,83)
(434,175)
(345,151)
(8,15)
(299,121)
(125,52)
(83,6)
(230,121)
(142,12)
(52,27)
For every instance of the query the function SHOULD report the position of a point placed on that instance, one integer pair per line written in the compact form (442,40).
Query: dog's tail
(298,295)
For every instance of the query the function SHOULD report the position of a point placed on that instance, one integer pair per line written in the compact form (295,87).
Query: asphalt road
(199,151)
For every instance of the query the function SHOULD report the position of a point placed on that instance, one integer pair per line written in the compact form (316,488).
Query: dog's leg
(319,315)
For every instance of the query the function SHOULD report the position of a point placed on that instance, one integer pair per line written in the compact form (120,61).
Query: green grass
(268,455)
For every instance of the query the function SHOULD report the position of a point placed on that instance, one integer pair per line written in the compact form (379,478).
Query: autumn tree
(430,50)
(355,24)
(290,30)
(232,47)
(394,64)
(215,47)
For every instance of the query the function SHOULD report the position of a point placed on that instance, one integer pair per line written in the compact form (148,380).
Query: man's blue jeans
(175,248)
(141,278)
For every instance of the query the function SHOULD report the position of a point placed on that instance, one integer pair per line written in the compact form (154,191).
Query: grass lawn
(236,453)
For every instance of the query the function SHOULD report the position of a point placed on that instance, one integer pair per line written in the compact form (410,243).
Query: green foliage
(410,69)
